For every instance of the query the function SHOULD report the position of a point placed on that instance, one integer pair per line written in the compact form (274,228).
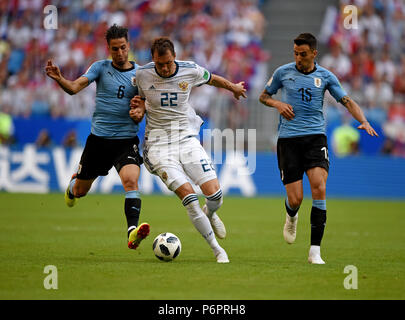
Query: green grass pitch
(87,245)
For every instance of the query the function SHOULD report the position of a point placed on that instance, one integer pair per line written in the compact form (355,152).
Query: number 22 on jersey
(168,99)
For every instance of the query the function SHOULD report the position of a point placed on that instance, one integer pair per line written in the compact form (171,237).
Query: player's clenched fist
(137,102)
(137,110)
(52,71)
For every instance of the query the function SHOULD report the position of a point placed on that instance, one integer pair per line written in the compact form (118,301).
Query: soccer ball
(166,246)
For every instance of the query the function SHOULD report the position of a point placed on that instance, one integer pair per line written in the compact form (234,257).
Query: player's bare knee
(295,201)
(319,191)
(210,187)
(130,183)
(184,190)
(79,192)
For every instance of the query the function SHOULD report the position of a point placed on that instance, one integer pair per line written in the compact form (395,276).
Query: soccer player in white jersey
(171,149)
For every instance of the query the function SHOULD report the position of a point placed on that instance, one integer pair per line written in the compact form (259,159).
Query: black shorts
(298,154)
(100,154)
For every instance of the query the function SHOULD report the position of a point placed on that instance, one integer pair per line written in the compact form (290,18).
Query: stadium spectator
(399,81)
(395,138)
(376,50)
(70,139)
(385,67)
(363,65)
(345,139)
(6,127)
(356,90)
(372,22)
(337,61)
(44,139)
(378,93)
(202,31)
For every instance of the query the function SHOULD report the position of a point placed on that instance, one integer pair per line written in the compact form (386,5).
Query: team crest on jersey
(183,85)
(317,82)
(133,81)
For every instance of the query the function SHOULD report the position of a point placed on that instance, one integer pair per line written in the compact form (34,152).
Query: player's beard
(304,67)
(121,61)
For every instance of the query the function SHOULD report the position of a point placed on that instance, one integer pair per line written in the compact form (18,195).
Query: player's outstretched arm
(238,89)
(284,109)
(138,109)
(71,87)
(358,114)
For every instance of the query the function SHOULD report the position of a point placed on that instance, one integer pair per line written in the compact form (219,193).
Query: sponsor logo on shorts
(164,175)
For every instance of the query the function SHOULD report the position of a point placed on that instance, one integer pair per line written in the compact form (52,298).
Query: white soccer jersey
(167,100)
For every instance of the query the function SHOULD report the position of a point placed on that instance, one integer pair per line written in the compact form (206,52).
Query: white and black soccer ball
(166,246)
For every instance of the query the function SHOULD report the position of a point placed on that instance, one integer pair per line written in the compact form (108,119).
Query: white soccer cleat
(314,256)
(216,223)
(316,259)
(221,256)
(290,228)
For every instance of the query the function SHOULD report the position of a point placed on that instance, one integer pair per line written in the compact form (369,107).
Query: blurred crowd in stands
(223,36)
(369,59)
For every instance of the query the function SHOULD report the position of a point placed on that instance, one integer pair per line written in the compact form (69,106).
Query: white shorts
(179,163)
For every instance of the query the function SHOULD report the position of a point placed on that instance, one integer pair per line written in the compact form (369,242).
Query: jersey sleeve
(93,72)
(274,83)
(335,88)
(203,76)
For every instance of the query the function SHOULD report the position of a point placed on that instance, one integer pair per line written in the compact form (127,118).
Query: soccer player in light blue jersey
(113,140)
(302,145)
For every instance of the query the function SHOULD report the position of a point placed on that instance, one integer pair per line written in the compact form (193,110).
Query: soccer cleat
(290,228)
(216,223)
(137,235)
(316,259)
(70,202)
(221,256)
(314,256)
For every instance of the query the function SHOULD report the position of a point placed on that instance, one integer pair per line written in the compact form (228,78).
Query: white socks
(200,220)
(315,250)
(214,202)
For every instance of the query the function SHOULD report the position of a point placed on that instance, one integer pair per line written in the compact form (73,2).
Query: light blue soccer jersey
(305,93)
(115,89)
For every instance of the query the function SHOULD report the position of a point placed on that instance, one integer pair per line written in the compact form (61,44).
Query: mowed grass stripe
(87,244)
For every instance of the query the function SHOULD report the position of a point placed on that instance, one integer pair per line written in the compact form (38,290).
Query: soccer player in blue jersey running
(113,139)
(301,144)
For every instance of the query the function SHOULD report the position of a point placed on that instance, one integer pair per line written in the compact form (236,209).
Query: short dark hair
(161,45)
(116,32)
(306,38)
